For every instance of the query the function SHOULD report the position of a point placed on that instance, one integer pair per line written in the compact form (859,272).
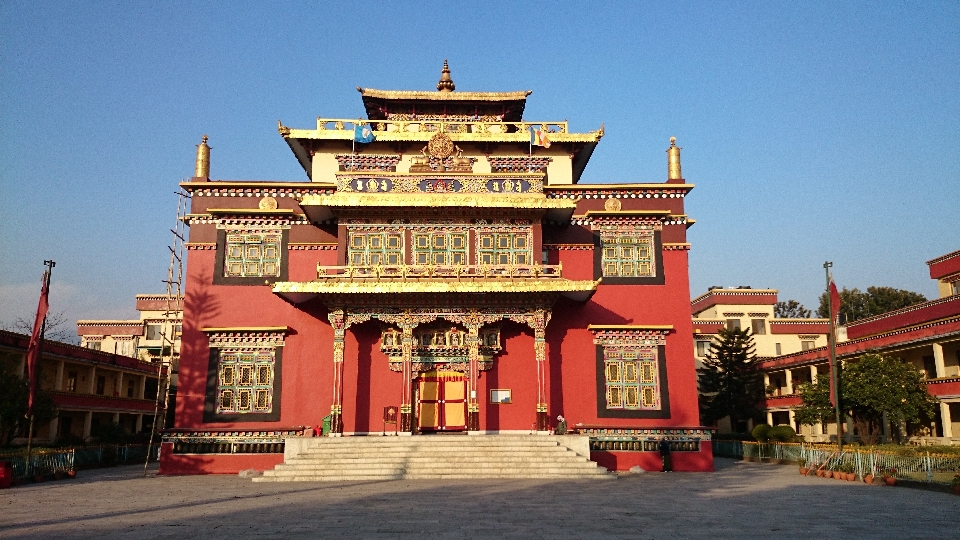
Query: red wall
(174,464)
(701,461)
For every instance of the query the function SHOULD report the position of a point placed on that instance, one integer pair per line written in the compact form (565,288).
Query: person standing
(664,447)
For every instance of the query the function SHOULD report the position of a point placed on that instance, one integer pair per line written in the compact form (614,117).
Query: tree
(856,305)
(730,381)
(815,405)
(57,328)
(873,386)
(790,309)
(14,391)
(878,385)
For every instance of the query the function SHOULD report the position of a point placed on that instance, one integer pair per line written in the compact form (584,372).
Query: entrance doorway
(442,402)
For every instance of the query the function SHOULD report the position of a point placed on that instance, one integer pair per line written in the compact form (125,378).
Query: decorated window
(252,254)
(376,248)
(507,248)
(631,378)
(245,381)
(440,248)
(627,255)
(631,374)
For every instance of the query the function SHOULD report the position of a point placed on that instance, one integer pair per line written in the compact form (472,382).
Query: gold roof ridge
(444,96)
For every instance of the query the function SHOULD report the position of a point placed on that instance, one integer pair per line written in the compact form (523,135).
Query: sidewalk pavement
(740,500)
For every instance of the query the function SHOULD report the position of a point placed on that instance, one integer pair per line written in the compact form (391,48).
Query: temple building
(442,268)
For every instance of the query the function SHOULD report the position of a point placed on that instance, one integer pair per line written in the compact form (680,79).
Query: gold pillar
(203,160)
(338,322)
(406,405)
(673,161)
(473,407)
(540,349)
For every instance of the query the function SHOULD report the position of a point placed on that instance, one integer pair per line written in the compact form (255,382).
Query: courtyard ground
(740,500)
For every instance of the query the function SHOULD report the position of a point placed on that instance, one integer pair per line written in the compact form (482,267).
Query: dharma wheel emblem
(440,145)
(268,203)
(612,205)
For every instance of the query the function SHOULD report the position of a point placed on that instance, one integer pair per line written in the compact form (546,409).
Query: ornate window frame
(258,343)
(635,345)
(607,229)
(219,277)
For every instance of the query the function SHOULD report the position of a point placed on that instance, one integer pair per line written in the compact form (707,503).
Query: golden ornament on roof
(440,145)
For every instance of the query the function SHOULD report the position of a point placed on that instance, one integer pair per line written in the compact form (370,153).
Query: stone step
(389,458)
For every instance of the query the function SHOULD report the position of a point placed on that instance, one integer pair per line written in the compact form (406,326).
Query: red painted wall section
(179,464)
(515,368)
(946,388)
(948,264)
(718,297)
(908,316)
(777,327)
(701,461)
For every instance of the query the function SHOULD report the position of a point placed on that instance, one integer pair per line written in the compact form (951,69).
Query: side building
(926,335)
(88,387)
(753,309)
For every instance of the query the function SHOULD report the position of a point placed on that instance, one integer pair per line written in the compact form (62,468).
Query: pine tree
(731,383)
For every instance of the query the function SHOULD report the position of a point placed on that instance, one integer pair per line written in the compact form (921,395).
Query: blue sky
(813,131)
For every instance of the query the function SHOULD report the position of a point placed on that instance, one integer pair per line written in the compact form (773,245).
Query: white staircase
(434,457)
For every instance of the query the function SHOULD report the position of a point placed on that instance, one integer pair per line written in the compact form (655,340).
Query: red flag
(33,351)
(834,302)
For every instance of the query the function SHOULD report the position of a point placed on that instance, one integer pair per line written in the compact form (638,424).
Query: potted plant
(849,472)
(868,478)
(802,462)
(890,476)
(955,484)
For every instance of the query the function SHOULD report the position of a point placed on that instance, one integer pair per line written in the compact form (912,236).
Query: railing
(60,461)
(929,468)
(448,126)
(468,271)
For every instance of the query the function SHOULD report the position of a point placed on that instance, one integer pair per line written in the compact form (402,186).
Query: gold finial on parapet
(446,83)
(673,161)
(203,160)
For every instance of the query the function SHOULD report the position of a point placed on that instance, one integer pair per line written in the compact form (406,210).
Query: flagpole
(43,330)
(834,379)
(530,151)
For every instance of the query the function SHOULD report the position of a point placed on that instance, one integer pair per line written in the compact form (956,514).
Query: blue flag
(363,134)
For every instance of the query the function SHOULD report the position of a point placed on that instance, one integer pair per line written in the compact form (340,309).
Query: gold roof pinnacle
(446,83)
(203,160)
(673,161)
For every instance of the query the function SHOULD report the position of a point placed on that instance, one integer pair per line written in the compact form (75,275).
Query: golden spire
(673,161)
(446,83)
(203,160)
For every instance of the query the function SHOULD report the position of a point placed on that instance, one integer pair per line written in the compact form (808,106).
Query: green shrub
(761,432)
(782,434)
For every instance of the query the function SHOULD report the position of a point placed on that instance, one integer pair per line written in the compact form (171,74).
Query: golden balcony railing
(448,126)
(471,271)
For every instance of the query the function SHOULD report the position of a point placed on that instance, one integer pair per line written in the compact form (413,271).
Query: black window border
(658,279)
(604,412)
(210,403)
(220,279)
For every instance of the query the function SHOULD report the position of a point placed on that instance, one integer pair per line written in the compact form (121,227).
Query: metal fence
(63,460)
(926,468)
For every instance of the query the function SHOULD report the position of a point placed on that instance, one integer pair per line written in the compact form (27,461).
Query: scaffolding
(172,323)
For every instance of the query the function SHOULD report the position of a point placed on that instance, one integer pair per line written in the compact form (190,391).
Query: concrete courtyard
(740,500)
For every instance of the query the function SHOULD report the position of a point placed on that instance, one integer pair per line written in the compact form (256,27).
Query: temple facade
(442,269)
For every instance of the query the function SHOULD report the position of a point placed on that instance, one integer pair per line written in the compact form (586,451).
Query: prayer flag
(538,137)
(363,134)
(33,351)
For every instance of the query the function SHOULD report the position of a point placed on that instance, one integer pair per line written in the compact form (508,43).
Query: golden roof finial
(446,83)
(203,160)
(673,161)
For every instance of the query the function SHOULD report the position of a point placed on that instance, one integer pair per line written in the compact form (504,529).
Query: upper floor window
(758,326)
(72,381)
(440,248)
(252,255)
(95,345)
(627,256)
(154,331)
(806,345)
(376,249)
(504,248)
(245,381)
(703,347)
(733,324)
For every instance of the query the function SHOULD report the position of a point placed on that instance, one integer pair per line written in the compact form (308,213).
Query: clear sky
(813,131)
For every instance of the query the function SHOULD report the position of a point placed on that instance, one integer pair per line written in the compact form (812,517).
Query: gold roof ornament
(446,83)
(203,160)
(673,161)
